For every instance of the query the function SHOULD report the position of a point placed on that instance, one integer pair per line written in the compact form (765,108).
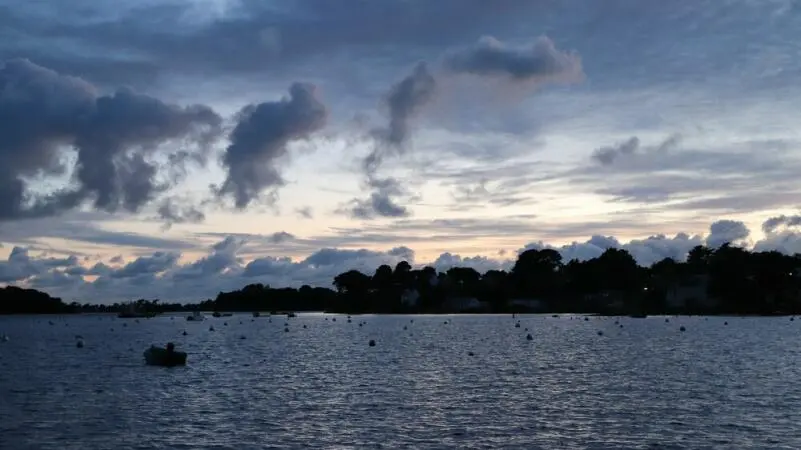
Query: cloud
(171,213)
(380,203)
(305,212)
(726,232)
(771,224)
(141,42)
(226,266)
(84,228)
(608,155)
(117,140)
(405,100)
(260,138)
(537,63)
(281,236)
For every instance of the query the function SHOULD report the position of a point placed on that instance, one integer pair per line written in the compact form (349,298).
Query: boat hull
(156,356)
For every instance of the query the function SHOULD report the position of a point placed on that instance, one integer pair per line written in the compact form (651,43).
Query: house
(460,304)
(527,304)
(410,298)
(689,291)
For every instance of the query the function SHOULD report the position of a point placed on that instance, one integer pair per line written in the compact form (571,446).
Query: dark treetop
(727,280)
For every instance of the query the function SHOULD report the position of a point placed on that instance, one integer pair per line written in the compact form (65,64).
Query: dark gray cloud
(280,237)
(608,155)
(305,212)
(381,202)
(540,62)
(116,138)
(771,224)
(404,101)
(136,44)
(147,265)
(727,232)
(171,212)
(85,228)
(260,138)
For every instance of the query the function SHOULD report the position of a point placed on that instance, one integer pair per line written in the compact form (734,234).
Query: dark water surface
(647,385)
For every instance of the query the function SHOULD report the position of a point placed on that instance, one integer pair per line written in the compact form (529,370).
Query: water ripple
(475,383)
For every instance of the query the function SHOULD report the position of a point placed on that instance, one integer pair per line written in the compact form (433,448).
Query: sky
(174,149)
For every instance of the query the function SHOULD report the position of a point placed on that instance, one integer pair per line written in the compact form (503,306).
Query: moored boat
(166,357)
(196,316)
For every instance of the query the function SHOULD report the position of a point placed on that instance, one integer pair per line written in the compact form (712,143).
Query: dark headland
(727,280)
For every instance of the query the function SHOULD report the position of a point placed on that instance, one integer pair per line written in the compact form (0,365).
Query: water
(647,385)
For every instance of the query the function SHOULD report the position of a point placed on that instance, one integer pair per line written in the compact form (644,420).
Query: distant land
(726,280)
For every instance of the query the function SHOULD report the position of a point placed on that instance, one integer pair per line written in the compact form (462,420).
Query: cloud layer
(454,127)
(226,266)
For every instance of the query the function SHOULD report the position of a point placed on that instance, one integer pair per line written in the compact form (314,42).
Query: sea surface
(473,382)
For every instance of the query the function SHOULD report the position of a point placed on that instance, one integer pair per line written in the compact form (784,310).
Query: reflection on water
(646,385)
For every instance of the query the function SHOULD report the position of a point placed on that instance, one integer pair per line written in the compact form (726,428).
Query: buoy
(667,320)
(304,326)
(682,328)
(184,333)
(470,354)
(621,325)
(725,323)
(586,319)
(371,343)
(529,337)
(517,325)
(241,337)
(225,324)
(600,333)
(405,327)
(334,319)
(211,328)
(125,324)
(286,330)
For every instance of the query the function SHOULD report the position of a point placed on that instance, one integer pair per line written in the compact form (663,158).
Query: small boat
(132,313)
(291,315)
(165,357)
(256,314)
(216,314)
(638,316)
(196,317)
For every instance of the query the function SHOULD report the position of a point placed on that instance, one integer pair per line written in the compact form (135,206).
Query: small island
(728,280)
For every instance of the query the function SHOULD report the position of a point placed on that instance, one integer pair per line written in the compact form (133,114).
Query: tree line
(726,280)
